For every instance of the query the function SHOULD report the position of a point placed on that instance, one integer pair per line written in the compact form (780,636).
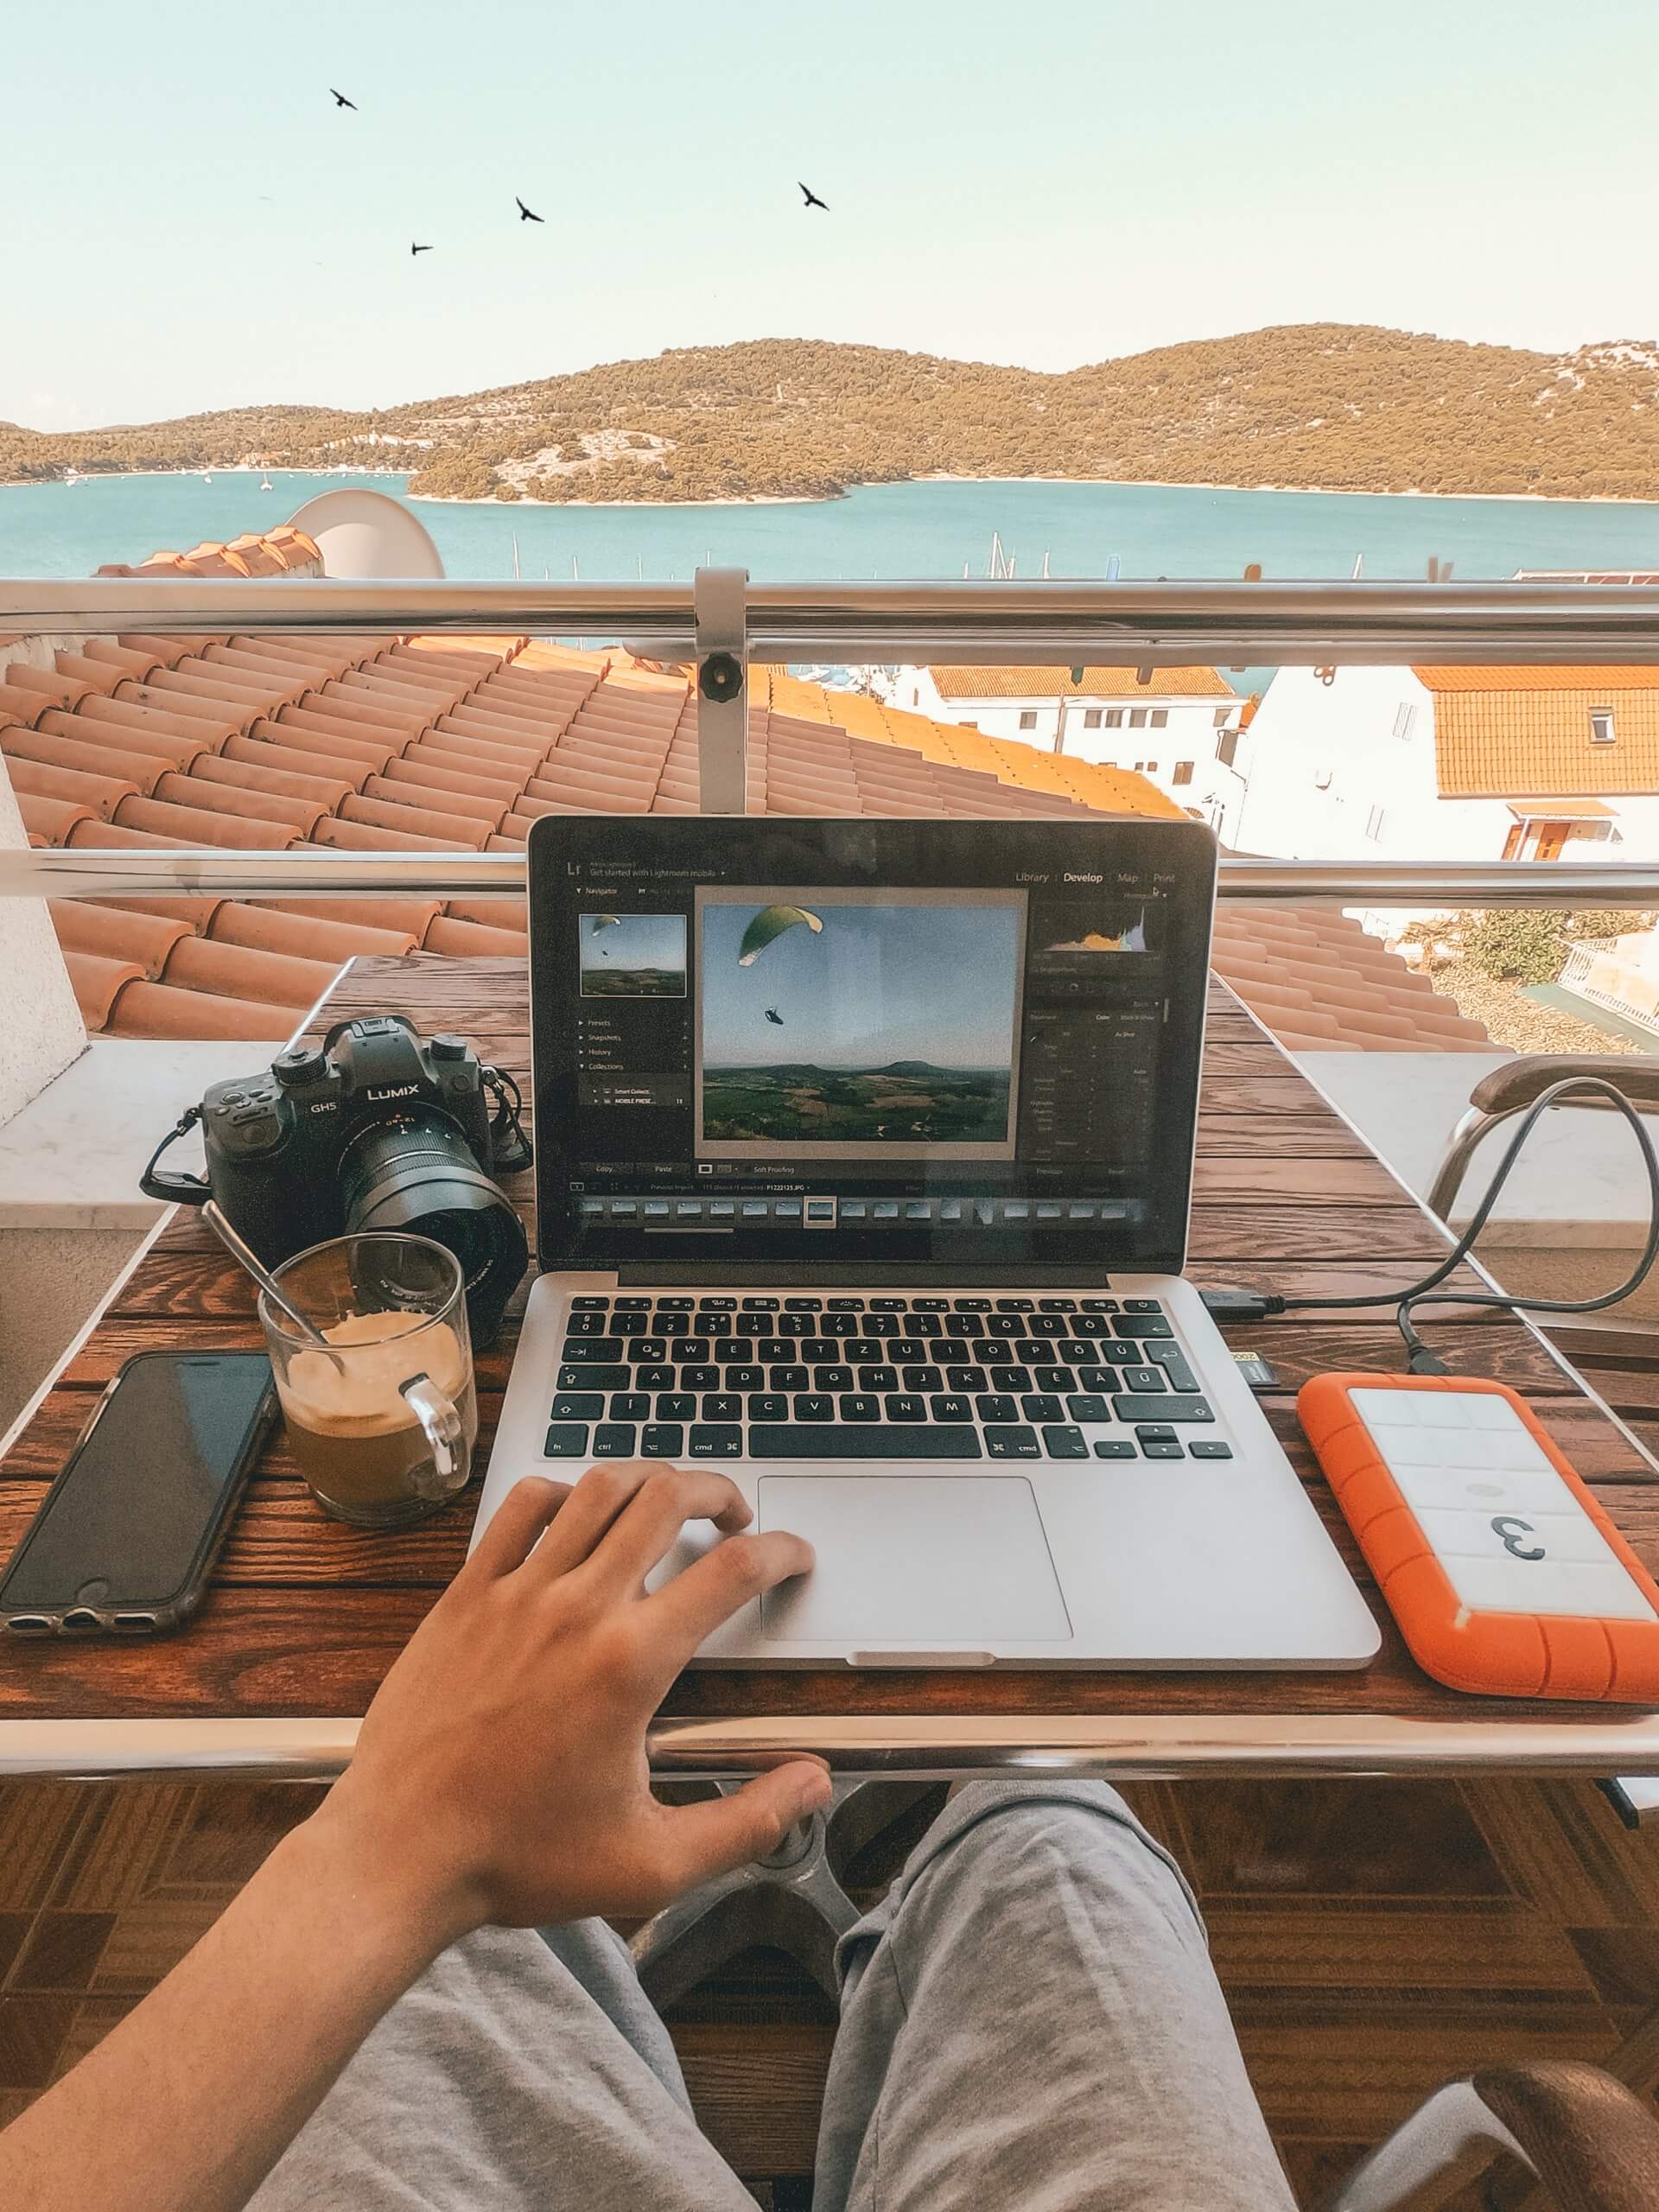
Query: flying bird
(525,214)
(418,249)
(813,199)
(772,1014)
(340,100)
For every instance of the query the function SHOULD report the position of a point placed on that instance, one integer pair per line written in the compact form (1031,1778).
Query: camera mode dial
(304,1063)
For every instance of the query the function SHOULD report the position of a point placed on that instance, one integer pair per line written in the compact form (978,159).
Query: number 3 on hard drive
(1509,1531)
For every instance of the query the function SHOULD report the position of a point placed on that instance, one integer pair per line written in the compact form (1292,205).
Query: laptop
(864,1155)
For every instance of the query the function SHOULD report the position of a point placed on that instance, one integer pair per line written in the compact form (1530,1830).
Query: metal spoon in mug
(240,1251)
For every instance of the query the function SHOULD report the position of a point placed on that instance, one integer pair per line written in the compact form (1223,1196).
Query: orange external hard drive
(1504,1573)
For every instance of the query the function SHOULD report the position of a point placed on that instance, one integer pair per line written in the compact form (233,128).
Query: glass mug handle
(444,1434)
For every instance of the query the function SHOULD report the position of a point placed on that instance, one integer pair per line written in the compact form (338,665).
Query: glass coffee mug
(382,1424)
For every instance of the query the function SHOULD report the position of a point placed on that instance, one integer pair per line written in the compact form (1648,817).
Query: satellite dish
(363,536)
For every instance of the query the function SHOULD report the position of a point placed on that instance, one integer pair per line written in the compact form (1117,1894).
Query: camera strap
(174,1190)
(508,1146)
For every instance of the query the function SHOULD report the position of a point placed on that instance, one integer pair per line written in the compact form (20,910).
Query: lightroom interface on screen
(812,1058)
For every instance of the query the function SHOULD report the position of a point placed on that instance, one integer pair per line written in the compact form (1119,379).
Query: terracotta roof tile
(59,690)
(263,775)
(101,795)
(292,816)
(432,772)
(143,728)
(98,982)
(1504,733)
(109,837)
(302,936)
(233,971)
(154,1010)
(196,914)
(113,761)
(365,838)
(267,748)
(459,831)
(472,939)
(130,661)
(512,913)
(405,917)
(24,708)
(191,825)
(51,821)
(471,806)
(87,925)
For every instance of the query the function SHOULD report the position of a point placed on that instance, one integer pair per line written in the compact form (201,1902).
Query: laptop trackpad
(958,1560)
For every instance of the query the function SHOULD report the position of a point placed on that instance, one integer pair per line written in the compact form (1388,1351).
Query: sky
(879,983)
(633,941)
(187,222)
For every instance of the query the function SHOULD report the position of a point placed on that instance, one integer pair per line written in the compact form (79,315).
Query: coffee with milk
(359,1442)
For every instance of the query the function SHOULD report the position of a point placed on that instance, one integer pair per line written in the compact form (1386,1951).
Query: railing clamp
(720,598)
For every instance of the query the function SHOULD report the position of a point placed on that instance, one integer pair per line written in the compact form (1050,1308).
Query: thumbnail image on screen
(631,956)
(846,1024)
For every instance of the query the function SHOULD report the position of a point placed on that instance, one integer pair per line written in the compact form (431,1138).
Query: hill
(1327,406)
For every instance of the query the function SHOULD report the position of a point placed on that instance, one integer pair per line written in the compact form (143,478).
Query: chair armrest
(1594,2143)
(1518,1082)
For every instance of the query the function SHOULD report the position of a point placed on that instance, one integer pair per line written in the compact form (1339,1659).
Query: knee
(1015,1841)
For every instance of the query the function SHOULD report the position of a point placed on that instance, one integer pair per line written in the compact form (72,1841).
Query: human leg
(522,2073)
(1030,2020)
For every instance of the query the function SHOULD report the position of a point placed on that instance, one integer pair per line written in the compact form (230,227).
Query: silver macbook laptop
(864,1154)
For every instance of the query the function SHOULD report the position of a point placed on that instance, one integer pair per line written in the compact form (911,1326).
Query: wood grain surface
(305,1616)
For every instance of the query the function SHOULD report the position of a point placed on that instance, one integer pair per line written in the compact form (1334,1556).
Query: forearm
(190,2101)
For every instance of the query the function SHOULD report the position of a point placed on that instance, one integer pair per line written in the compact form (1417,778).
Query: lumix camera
(371,1130)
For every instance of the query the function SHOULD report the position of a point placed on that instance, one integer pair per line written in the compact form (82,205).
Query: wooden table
(305,1614)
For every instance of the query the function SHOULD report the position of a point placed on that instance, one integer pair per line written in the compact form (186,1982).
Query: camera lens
(419,1174)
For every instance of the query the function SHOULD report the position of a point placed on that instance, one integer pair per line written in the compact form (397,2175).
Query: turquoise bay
(887,530)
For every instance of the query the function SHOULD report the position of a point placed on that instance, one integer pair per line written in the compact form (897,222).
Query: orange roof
(273,553)
(440,743)
(1096,684)
(1505,733)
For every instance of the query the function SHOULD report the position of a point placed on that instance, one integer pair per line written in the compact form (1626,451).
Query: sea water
(931,529)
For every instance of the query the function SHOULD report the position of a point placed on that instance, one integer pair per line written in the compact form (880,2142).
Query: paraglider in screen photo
(631,956)
(843,1024)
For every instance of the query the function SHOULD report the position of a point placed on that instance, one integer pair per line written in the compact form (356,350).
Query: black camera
(371,1130)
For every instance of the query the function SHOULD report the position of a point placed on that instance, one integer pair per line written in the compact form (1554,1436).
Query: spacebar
(854,1441)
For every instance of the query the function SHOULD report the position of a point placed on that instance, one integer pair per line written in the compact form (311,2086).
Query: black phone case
(140,1616)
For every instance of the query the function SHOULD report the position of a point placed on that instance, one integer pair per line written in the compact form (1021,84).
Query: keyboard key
(1113,1448)
(793,1377)
(1056,1305)
(630,1325)
(566,1439)
(630,1405)
(1155,1432)
(803,1306)
(814,1405)
(923,1440)
(1092,1324)
(1012,1443)
(741,1377)
(1142,1305)
(963,1323)
(882,1325)
(677,1405)
(1093,1378)
(578,1405)
(1173,1360)
(1010,1378)
(832,1379)
(1013,1306)
(676,1305)
(1087,1407)
(768,1404)
(760,1304)
(722,1405)
(714,1325)
(845,1306)
(1208,1447)
(1162,1452)
(925,1325)
(856,1405)
(700,1378)
(595,1378)
(1081,1355)
(632,1305)
(1010,1325)
(590,1306)
(716,1443)
(596,1351)
(654,1378)
(615,1440)
(672,1325)
(963,1379)
(1041,1405)
(1145,1379)
(923,1378)
(889,1304)
(837,1324)
(735,1349)
(929,1306)
(792,1326)
(1052,1378)
(904,1405)
(1166,1408)
(971,1304)
(587,1324)
(995,1408)
(1052,1324)
(1100,1305)
(1149,1327)
(951,1405)
(1119,1351)
(878,1378)
(755,1325)
(1064,1443)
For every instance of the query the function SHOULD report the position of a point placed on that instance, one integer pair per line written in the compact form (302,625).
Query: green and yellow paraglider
(771,922)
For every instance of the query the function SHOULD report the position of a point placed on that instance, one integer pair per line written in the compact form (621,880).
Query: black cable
(1427,1291)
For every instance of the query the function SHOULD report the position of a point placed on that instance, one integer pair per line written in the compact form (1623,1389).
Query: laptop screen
(960,1045)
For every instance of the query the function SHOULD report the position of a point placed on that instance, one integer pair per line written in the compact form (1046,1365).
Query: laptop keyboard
(792,1376)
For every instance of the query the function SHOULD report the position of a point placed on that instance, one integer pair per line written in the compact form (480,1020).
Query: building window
(1226,748)
(1137,718)
(1160,718)
(1373,822)
(1028,720)
(1091,718)
(1405,719)
(915,695)
(1114,718)
(1183,773)
(1152,767)
(1601,725)
(1221,713)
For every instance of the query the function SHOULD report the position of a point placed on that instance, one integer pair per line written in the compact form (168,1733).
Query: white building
(1181,729)
(1469,764)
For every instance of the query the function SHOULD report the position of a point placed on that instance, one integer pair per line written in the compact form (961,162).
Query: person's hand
(500,1774)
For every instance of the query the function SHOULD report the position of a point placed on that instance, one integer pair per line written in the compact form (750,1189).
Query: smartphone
(125,1537)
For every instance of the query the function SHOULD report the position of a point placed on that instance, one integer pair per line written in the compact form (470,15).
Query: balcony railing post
(720,599)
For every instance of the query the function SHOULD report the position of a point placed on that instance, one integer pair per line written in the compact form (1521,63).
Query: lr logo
(1510,1531)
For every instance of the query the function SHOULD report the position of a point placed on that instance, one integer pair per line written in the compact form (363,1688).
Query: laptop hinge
(817,1275)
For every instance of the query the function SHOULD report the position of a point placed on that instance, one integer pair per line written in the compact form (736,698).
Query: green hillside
(1323,405)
